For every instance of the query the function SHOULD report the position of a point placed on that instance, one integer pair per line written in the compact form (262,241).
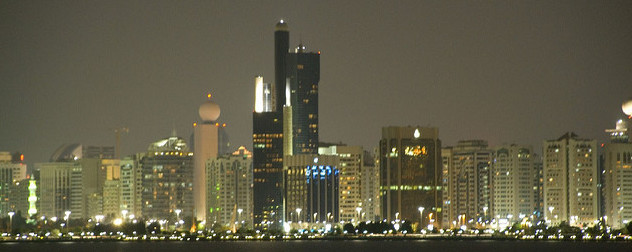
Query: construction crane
(117,134)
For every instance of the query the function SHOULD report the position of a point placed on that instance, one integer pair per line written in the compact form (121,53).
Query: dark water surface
(345,246)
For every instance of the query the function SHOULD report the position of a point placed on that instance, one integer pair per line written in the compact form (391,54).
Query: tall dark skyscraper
(303,72)
(296,84)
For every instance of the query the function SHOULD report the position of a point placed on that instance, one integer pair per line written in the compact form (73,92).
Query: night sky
(503,71)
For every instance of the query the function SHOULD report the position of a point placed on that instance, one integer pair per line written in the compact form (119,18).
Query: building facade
(410,174)
(61,189)
(570,180)
(514,174)
(229,189)
(617,173)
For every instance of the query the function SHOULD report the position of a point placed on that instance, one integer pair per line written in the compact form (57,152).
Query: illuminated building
(206,145)
(514,174)
(12,170)
(229,185)
(167,181)
(131,184)
(312,188)
(410,174)
(617,174)
(61,189)
(350,168)
(303,75)
(570,180)
(99,174)
(370,192)
(467,183)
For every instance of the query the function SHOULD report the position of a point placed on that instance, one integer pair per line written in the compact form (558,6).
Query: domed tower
(205,135)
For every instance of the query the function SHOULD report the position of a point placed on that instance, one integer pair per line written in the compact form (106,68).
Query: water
(345,246)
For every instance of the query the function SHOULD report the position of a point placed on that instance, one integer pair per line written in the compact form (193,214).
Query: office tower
(96,173)
(281,49)
(61,189)
(23,197)
(11,171)
(617,173)
(514,175)
(131,184)
(111,187)
(410,174)
(229,185)
(370,192)
(99,152)
(350,168)
(312,188)
(267,160)
(570,180)
(467,197)
(167,170)
(206,139)
(303,75)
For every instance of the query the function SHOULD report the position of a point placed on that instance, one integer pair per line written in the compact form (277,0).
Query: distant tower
(205,147)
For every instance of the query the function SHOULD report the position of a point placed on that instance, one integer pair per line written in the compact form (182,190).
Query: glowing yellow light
(223,125)
(208,95)
(194,124)
(117,222)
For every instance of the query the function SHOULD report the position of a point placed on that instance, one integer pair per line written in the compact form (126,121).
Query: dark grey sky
(504,71)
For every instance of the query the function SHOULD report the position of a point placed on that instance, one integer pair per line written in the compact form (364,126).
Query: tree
(349,228)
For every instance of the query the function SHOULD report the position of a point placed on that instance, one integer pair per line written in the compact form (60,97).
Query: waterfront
(328,245)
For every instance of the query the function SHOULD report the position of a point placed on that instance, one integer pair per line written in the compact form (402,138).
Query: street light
(421,216)
(298,214)
(177,217)
(11,222)
(551,208)
(358,209)
(485,214)
(67,218)
(239,211)
(124,212)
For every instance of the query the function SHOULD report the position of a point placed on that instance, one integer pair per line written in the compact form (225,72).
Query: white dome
(627,107)
(209,111)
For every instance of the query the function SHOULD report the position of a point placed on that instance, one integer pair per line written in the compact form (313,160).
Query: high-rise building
(303,75)
(370,183)
(538,187)
(11,171)
(229,185)
(61,189)
(206,145)
(132,184)
(167,170)
(350,168)
(312,188)
(570,180)
(410,174)
(514,174)
(467,196)
(617,173)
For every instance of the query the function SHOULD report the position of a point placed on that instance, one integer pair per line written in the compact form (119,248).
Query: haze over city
(505,72)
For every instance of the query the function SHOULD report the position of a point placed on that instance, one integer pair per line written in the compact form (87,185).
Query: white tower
(205,147)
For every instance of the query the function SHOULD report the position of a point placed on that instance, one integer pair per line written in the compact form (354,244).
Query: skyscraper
(570,180)
(167,180)
(617,169)
(468,191)
(303,74)
(410,174)
(514,174)
(206,138)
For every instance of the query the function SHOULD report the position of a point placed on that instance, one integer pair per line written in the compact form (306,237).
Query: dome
(627,107)
(209,111)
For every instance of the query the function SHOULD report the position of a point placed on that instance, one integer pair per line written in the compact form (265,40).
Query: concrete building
(410,174)
(61,189)
(206,145)
(12,170)
(467,197)
(570,180)
(131,184)
(167,170)
(350,167)
(617,173)
(370,188)
(229,189)
(514,174)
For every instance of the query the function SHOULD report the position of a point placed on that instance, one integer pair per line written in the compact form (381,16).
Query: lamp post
(11,222)
(485,214)
(421,217)
(551,208)
(298,214)
(124,212)
(358,209)
(239,211)
(178,211)
(67,218)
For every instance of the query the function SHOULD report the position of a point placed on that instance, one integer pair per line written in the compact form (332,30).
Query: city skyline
(503,72)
